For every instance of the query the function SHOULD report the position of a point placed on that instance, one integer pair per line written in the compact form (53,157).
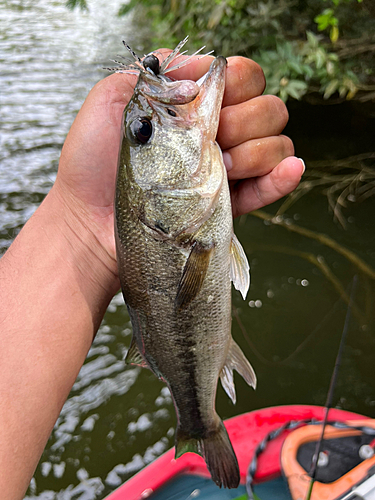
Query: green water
(115,420)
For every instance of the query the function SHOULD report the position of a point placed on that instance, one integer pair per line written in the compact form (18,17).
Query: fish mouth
(196,102)
(174,93)
(209,100)
(216,72)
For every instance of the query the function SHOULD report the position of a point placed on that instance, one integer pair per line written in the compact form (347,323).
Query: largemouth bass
(177,253)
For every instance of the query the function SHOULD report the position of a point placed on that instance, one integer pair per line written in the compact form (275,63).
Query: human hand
(258,159)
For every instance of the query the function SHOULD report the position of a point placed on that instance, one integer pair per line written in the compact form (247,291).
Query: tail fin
(218,453)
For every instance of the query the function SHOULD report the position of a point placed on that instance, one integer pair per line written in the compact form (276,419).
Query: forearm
(54,289)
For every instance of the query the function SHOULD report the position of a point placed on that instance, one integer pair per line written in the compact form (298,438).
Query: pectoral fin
(239,267)
(134,356)
(236,361)
(193,275)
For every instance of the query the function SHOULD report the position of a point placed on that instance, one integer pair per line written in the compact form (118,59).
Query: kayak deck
(165,477)
(189,487)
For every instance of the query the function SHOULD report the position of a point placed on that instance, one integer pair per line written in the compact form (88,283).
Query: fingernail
(303,165)
(227,161)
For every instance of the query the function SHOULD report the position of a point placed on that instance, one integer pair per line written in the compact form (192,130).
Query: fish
(177,252)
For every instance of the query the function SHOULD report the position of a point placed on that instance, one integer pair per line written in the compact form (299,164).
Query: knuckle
(258,76)
(281,110)
(248,76)
(229,123)
(288,146)
(253,73)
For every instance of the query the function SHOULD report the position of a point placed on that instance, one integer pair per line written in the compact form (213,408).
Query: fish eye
(171,112)
(151,62)
(141,130)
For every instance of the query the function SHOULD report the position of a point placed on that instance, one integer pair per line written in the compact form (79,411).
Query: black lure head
(151,63)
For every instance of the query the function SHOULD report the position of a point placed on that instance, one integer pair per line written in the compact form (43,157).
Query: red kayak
(188,478)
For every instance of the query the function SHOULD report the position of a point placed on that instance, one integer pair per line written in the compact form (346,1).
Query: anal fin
(193,275)
(236,360)
(239,267)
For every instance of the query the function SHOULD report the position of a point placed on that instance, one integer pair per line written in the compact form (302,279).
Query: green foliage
(304,46)
(293,67)
(327,19)
(72,4)
(283,68)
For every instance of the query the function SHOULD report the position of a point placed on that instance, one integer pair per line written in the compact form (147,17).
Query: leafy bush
(294,68)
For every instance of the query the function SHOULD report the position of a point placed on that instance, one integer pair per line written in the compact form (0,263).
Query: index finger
(244,77)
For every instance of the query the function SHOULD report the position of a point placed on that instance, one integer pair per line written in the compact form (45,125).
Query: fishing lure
(152,65)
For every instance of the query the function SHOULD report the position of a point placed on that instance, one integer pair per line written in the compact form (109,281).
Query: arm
(60,273)
(54,292)
(56,281)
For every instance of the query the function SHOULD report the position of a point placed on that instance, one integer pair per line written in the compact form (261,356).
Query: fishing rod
(332,385)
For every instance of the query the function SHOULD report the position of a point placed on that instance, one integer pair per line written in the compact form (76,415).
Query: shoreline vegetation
(324,49)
